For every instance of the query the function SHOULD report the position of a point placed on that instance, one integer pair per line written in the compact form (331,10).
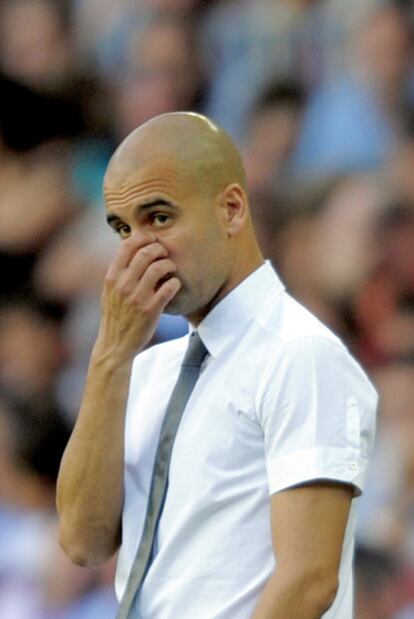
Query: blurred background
(319,96)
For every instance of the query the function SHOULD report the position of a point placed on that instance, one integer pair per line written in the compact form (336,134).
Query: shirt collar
(230,317)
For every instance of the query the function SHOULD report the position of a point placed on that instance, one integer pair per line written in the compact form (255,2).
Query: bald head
(178,181)
(202,153)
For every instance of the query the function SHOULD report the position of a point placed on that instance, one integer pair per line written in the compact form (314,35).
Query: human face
(157,204)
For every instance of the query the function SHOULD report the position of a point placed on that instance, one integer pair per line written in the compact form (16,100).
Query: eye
(160,219)
(123,230)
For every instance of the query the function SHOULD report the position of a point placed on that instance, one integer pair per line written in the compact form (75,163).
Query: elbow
(311,591)
(320,594)
(326,600)
(80,553)
(86,551)
(77,554)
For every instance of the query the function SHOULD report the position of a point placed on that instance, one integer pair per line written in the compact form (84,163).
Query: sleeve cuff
(334,464)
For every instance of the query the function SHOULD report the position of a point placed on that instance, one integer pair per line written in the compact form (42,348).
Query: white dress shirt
(279,402)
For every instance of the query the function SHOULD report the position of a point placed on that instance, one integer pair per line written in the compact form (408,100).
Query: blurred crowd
(319,97)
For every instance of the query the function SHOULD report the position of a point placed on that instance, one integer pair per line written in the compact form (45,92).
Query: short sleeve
(317,411)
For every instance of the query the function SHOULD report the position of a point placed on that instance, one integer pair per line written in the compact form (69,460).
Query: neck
(246,263)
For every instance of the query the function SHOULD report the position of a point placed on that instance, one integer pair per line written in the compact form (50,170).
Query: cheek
(198,252)
(181,253)
(181,248)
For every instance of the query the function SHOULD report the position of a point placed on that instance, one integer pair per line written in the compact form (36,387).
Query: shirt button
(352,466)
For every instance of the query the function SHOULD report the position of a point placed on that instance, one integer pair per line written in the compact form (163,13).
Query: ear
(233,208)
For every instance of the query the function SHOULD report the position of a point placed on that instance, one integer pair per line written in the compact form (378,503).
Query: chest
(219,441)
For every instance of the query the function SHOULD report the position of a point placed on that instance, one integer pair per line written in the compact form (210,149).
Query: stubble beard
(183,303)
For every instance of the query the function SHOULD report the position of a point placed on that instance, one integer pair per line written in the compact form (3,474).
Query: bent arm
(90,482)
(308,527)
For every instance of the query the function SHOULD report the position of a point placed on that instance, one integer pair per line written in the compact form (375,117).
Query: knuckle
(124,289)
(167,265)
(110,278)
(154,249)
(147,310)
(157,268)
(120,281)
(143,255)
(164,266)
(123,286)
(150,249)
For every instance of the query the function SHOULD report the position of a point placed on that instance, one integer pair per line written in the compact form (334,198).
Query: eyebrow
(111,217)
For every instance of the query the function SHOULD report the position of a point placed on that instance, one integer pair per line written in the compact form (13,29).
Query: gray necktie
(187,378)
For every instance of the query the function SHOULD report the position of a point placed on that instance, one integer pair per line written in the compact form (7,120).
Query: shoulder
(288,321)
(304,351)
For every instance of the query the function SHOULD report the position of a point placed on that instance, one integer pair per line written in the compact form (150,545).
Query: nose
(142,237)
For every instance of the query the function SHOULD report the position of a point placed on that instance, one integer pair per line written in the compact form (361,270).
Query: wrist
(111,358)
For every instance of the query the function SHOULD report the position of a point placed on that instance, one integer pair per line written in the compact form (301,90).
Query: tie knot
(196,351)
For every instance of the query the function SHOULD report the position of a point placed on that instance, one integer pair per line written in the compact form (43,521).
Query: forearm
(90,483)
(296,598)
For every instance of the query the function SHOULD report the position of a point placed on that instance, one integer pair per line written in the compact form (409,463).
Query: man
(258,519)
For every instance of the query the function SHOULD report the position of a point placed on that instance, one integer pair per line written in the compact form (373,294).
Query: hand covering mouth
(162,281)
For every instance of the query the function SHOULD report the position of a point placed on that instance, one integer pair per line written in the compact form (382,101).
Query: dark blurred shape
(273,212)
(321,237)
(378,584)
(384,306)
(282,93)
(35,201)
(273,129)
(40,434)
(31,350)
(33,439)
(46,94)
(29,118)
(374,567)
(36,579)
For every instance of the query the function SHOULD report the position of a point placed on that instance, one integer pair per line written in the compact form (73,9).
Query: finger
(156,273)
(140,262)
(126,252)
(166,293)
